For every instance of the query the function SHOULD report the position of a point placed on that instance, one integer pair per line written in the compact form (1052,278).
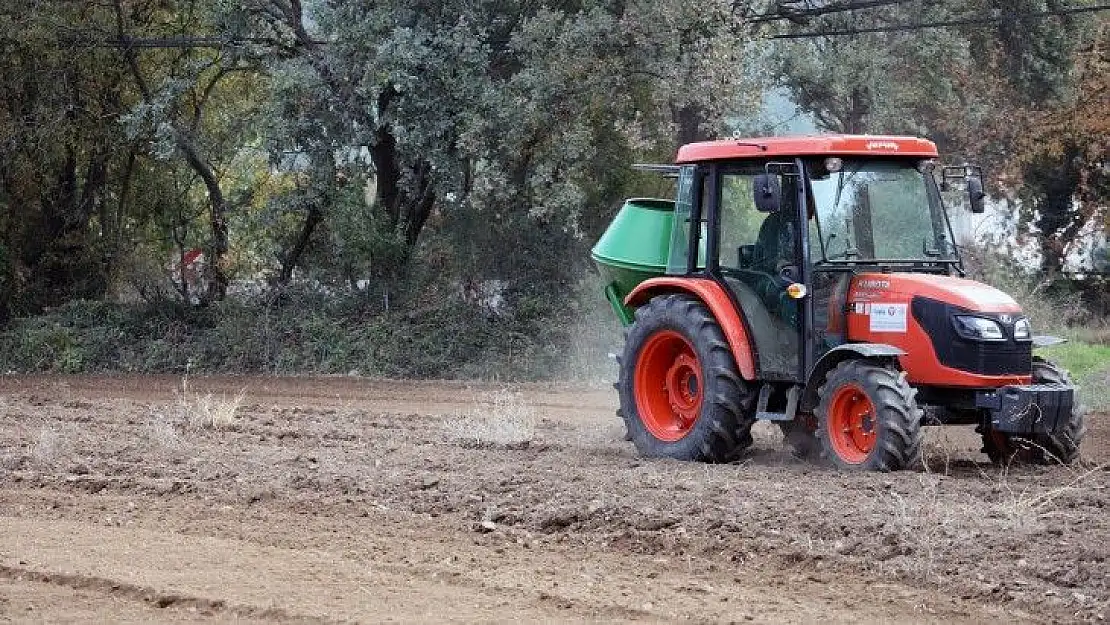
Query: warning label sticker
(888,317)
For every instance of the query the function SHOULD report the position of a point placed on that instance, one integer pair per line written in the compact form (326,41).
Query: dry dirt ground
(129,499)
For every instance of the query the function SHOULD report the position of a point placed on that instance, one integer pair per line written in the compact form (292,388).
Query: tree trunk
(407,209)
(293,258)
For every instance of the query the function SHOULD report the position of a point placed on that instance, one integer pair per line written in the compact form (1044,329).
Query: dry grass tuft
(936,451)
(1029,508)
(507,421)
(207,411)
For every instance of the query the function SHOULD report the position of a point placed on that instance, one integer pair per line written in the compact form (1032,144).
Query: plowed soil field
(133,499)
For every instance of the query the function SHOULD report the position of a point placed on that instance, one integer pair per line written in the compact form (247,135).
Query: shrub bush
(303,333)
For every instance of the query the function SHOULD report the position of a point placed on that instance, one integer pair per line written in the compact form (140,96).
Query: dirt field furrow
(336,499)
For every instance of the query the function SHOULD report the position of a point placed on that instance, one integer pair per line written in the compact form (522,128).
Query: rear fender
(720,306)
(871,351)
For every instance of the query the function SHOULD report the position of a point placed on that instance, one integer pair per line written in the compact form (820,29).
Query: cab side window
(752,240)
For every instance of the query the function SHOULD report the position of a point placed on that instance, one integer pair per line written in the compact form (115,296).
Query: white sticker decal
(888,317)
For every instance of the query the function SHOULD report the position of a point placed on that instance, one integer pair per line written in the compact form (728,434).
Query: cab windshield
(878,210)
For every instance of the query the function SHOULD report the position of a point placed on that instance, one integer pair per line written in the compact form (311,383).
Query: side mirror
(975,194)
(767,193)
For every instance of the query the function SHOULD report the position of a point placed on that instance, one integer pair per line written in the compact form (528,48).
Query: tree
(997,87)
(64,174)
(1062,158)
(178,94)
(502,121)
(878,82)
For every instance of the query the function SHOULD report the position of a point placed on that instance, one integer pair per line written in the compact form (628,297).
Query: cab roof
(821,145)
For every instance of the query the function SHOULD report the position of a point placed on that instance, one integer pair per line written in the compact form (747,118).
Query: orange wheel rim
(668,385)
(853,426)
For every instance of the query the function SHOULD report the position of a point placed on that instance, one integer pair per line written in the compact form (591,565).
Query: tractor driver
(774,253)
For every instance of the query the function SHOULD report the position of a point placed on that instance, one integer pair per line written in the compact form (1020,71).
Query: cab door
(756,256)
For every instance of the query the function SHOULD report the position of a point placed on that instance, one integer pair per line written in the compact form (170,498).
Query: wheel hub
(667,385)
(852,424)
(683,387)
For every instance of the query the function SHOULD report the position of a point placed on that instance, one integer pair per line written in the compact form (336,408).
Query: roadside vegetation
(304,334)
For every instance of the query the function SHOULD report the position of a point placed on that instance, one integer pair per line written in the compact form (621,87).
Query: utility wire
(786,13)
(200,41)
(178,42)
(940,24)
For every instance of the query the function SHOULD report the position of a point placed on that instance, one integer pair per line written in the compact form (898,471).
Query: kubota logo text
(874,284)
(882,145)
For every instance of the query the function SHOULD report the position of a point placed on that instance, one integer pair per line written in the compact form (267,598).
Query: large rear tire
(1057,448)
(867,418)
(680,391)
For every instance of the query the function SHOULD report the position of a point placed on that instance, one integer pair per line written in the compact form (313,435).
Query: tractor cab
(809,281)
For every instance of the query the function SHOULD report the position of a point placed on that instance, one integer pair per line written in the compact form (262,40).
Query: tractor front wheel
(867,418)
(680,392)
(1059,447)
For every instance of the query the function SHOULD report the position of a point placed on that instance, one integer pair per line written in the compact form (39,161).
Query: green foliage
(924,81)
(1089,366)
(9,289)
(426,145)
(1081,359)
(501,126)
(56,170)
(300,333)
(893,83)
(109,149)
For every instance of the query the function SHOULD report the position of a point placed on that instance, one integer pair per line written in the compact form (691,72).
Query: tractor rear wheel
(867,418)
(1059,447)
(680,391)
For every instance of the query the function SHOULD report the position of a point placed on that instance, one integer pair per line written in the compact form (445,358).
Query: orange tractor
(815,282)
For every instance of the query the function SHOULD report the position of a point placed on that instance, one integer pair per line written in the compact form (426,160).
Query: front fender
(715,298)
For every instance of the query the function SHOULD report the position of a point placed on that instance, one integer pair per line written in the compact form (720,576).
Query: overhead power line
(209,41)
(188,41)
(798,15)
(940,24)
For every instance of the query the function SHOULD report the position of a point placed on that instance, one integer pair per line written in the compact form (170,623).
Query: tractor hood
(969,294)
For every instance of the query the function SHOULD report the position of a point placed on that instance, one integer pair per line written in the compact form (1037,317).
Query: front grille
(1007,357)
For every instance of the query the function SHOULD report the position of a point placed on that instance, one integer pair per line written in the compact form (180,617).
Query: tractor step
(792,395)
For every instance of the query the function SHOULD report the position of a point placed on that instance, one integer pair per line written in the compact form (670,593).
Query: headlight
(979,329)
(1022,330)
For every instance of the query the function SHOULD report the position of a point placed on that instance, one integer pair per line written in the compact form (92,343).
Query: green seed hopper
(634,248)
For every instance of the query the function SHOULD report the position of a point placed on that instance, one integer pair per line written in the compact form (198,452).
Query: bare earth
(338,499)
